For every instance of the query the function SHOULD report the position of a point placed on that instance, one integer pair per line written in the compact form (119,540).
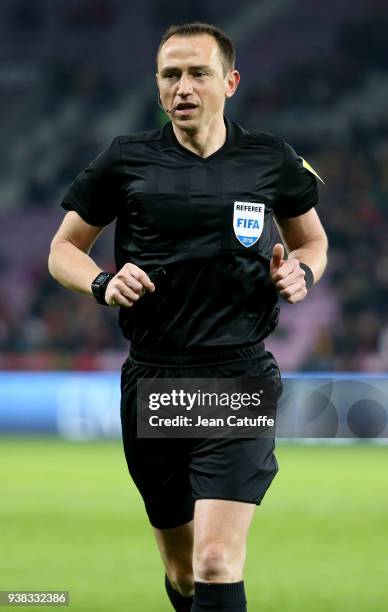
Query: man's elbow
(324,246)
(320,243)
(325,240)
(323,252)
(52,262)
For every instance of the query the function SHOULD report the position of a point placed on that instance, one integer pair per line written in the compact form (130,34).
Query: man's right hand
(128,286)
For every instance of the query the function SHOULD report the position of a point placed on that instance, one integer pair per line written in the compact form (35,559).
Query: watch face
(99,286)
(100,279)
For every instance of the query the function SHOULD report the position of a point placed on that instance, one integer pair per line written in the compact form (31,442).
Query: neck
(204,141)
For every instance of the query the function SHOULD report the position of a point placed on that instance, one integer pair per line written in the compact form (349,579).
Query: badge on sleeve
(310,169)
(248,222)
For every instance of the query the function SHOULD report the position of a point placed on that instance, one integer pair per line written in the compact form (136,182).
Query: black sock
(228,597)
(180,603)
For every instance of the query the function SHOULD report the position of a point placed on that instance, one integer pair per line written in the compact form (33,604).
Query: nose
(185,87)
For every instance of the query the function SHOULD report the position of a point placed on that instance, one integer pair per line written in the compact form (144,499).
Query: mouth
(185,108)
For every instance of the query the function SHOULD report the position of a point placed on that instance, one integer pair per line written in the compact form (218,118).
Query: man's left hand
(287,276)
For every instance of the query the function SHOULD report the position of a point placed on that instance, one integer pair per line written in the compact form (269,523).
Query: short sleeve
(297,190)
(95,193)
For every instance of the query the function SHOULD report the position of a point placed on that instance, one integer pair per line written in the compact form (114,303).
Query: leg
(176,549)
(164,485)
(220,533)
(221,529)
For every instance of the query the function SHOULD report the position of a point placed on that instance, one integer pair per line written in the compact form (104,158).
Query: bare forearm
(314,254)
(72,268)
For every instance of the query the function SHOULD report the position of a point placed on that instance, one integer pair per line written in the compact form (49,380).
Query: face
(191,80)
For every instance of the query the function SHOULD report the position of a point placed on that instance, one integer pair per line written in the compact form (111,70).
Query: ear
(232,80)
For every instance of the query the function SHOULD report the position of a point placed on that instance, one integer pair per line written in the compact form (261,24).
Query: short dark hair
(197,28)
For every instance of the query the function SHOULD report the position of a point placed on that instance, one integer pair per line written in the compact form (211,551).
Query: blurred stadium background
(74,74)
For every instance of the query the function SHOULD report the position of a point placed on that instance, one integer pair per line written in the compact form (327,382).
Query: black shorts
(171,474)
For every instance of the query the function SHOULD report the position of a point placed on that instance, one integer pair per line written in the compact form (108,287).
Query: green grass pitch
(71,519)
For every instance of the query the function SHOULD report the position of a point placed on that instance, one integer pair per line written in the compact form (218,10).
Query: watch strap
(308,274)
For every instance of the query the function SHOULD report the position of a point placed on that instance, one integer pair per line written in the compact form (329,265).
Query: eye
(200,73)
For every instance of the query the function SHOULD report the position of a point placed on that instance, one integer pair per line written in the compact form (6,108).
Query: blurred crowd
(355,214)
(58,329)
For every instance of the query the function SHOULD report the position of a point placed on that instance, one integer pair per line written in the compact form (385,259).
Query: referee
(197,283)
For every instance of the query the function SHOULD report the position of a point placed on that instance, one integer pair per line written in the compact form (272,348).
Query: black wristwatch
(99,286)
(308,275)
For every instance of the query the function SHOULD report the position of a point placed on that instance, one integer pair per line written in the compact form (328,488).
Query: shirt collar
(168,136)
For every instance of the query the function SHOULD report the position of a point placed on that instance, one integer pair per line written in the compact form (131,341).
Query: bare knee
(181,580)
(215,563)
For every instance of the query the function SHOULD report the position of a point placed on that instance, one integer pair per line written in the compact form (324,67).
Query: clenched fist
(128,286)
(287,276)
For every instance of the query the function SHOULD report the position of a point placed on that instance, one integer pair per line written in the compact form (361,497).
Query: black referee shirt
(206,222)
